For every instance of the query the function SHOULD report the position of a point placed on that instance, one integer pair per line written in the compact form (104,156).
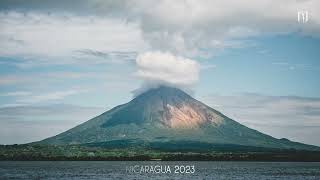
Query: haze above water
(117,170)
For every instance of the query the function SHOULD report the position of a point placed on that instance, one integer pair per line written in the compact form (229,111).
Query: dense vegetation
(77,152)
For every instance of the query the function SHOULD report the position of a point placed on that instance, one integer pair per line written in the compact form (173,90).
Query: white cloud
(195,29)
(35,78)
(13,79)
(197,26)
(294,66)
(16,93)
(166,68)
(57,38)
(47,97)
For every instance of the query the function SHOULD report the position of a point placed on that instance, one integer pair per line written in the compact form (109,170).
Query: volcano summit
(167,118)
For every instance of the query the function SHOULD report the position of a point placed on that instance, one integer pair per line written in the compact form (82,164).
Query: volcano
(167,117)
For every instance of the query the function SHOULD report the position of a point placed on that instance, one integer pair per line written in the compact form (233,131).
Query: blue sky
(280,65)
(260,70)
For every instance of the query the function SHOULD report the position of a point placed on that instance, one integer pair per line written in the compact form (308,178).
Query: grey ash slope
(165,115)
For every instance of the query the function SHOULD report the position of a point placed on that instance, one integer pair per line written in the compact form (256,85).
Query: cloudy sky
(62,63)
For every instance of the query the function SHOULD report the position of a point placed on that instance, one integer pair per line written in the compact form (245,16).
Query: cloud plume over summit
(166,68)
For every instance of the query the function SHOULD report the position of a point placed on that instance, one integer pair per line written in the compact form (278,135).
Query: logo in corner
(303,16)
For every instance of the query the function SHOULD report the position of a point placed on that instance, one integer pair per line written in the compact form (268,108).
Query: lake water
(157,170)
